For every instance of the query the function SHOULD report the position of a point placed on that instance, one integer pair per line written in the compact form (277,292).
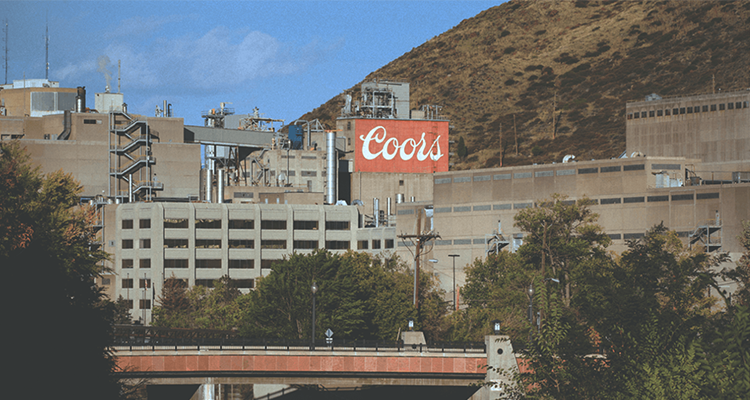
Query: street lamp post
(531,308)
(314,289)
(455,297)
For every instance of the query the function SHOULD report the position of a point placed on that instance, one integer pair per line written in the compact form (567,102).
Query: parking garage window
(273,224)
(337,244)
(208,224)
(175,223)
(241,264)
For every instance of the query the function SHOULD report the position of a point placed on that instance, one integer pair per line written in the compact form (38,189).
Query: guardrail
(141,338)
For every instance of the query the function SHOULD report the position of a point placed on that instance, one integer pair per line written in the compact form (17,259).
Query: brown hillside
(587,58)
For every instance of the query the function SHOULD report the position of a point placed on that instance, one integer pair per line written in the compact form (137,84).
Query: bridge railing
(142,337)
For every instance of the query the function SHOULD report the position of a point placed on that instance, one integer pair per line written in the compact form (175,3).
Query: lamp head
(496,327)
(314,287)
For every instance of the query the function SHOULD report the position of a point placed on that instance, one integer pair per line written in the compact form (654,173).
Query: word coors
(402,149)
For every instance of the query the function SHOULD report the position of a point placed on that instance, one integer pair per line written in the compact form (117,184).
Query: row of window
(143,304)
(216,263)
(239,224)
(269,244)
(127,283)
(250,244)
(688,110)
(617,200)
(550,173)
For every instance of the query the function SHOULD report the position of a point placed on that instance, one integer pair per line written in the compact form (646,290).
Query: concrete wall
(713,133)
(470,206)
(252,258)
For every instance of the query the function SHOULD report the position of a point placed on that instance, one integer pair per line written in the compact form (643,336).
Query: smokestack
(331,160)
(103,62)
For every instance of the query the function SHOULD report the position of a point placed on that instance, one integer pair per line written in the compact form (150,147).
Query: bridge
(448,370)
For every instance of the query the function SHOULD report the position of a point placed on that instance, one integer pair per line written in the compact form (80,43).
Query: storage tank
(296,135)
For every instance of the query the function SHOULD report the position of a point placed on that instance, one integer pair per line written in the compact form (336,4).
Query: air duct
(220,186)
(376,211)
(331,160)
(208,185)
(66,126)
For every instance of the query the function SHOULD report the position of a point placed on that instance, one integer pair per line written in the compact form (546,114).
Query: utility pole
(419,239)
(502,148)
(455,295)
(554,108)
(515,133)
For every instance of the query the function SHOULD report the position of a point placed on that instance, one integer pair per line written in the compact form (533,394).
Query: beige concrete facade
(714,128)
(35,98)
(631,195)
(86,152)
(201,242)
(695,173)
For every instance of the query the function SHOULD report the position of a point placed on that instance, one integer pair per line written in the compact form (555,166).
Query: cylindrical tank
(220,186)
(412,199)
(376,211)
(81,99)
(388,210)
(331,160)
(399,198)
(209,185)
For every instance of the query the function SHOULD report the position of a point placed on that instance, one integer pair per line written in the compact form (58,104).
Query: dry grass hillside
(500,75)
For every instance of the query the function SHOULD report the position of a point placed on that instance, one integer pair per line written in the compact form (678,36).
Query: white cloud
(139,26)
(219,60)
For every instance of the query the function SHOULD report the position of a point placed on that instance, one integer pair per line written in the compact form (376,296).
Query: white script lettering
(404,150)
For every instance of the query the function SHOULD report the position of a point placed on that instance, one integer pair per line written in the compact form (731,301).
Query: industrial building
(375,183)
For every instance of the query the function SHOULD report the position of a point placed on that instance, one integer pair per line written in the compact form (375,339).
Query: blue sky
(284,57)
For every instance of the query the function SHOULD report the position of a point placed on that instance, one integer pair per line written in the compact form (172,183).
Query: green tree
(496,288)
(49,261)
(219,307)
(461,150)
(741,272)
(650,310)
(726,364)
(561,235)
(359,297)
(121,311)
(173,309)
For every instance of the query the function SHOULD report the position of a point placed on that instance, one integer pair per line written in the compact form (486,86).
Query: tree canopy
(49,263)
(359,296)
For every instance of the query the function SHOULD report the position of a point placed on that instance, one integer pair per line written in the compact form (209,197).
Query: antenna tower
(46,52)
(5,29)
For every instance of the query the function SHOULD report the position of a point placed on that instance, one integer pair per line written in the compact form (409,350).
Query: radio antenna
(46,52)
(6,50)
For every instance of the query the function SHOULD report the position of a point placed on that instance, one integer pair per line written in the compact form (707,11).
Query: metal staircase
(130,159)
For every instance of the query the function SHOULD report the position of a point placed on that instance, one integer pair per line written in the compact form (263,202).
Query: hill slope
(503,72)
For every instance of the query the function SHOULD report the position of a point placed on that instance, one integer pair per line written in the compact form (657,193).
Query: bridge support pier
(503,366)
